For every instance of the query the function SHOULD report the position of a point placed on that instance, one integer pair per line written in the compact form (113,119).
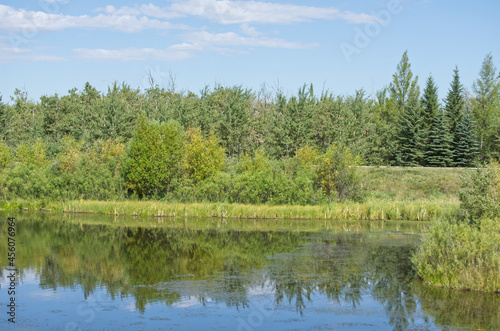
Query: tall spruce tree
(438,149)
(430,109)
(430,103)
(404,92)
(465,143)
(404,87)
(409,138)
(454,103)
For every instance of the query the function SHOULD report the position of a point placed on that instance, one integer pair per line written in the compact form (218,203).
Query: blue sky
(51,46)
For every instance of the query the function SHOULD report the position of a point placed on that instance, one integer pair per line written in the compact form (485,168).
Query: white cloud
(236,12)
(234,39)
(146,10)
(249,30)
(8,54)
(29,22)
(197,42)
(172,53)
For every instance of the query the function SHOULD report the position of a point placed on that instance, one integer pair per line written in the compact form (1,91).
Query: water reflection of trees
(220,265)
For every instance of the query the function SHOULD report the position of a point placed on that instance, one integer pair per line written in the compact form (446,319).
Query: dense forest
(237,145)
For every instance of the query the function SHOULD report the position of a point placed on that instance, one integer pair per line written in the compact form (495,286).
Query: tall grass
(424,210)
(460,256)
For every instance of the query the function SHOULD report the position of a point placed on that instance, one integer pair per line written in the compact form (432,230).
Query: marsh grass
(460,256)
(422,210)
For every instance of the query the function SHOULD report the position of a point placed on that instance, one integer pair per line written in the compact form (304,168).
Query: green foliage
(430,105)
(204,156)
(486,108)
(308,156)
(5,155)
(404,87)
(231,109)
(438,149)
(480,196)
(454,104)
(255,162)
(336,173)
(461,257)
(32,154)
(70,154)
(410,137)
(466,146)
(156,161)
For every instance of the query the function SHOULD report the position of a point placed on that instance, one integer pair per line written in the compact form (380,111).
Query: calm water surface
(80,272)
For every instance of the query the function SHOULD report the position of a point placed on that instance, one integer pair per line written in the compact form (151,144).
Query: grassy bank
(375,210)
(391,193)
(410,184)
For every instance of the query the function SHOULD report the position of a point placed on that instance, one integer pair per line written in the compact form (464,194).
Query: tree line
(119,140)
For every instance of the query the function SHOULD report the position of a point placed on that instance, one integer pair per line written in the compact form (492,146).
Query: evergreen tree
(430,108)
(403,87)
(466,147)
(410,139)
(2,117)
(454,103)
(438,149)
(486,108)
(430,103)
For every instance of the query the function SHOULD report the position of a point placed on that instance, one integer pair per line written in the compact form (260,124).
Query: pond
(81,272)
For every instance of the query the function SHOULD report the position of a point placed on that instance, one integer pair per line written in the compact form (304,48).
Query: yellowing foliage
(336,172)
(255,163)
(5,155)
(70,155)
(33,154)
(204,155)
(308,155)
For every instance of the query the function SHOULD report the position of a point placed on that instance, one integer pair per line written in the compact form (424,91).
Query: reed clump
(423,210)
(460,256)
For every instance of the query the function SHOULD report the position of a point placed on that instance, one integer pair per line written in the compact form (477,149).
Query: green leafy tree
(336,173)
(465,143)
(486,107)
(300,113)
(438,151)
(275,125)
(454,103)
(232,110)
(480,194)
(156,161)
(20,120)
(34,154)
(386,123)
(5,155)
(2,117)
(88,119)
(204,156)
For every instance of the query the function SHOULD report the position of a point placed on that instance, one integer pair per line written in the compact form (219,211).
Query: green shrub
(460,256)
(480,196)
(204,156)
(336,174)
(156,161)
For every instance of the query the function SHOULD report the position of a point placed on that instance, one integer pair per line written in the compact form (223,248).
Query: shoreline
(375,210)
